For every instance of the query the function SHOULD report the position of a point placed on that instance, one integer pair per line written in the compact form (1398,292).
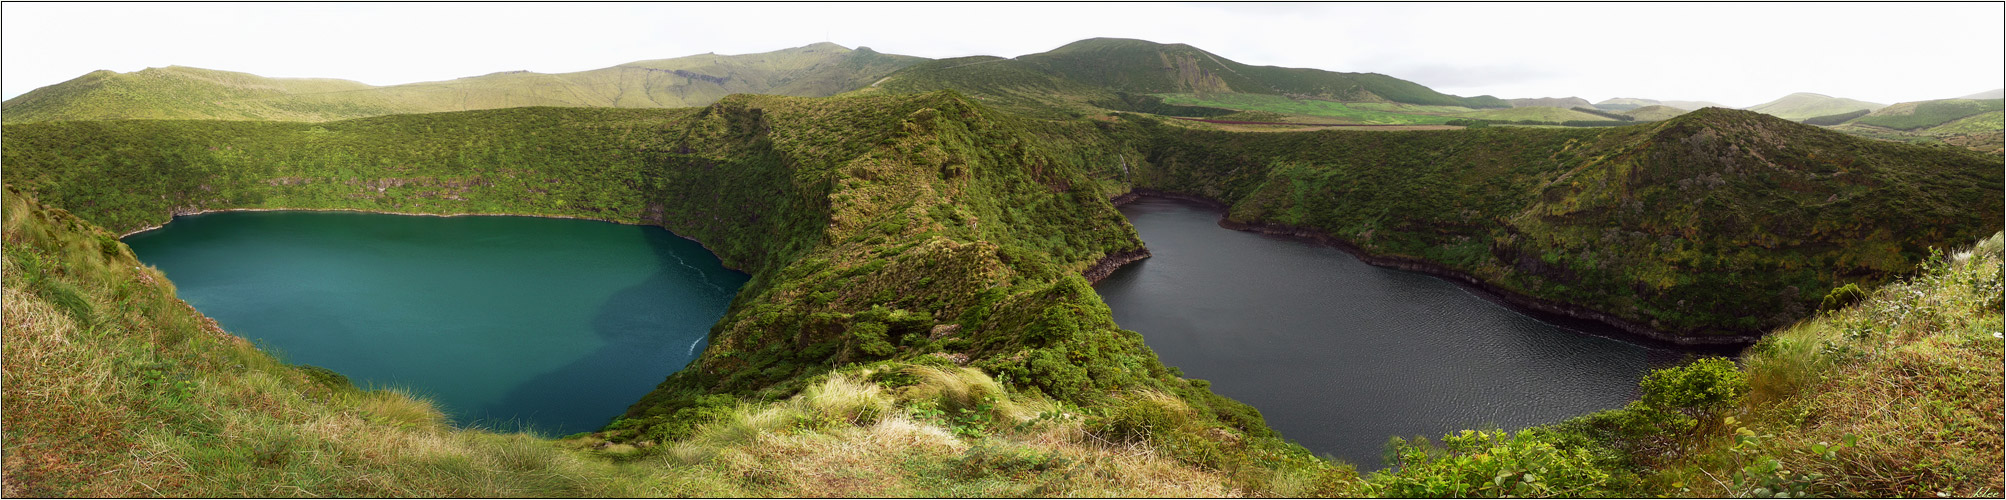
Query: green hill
(1917,115)
(1804,105)
(191,93)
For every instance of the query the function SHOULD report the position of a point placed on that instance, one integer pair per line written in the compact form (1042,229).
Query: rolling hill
(1804,105)
(191,93)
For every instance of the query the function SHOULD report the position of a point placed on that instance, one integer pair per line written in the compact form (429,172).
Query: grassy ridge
(1654,224)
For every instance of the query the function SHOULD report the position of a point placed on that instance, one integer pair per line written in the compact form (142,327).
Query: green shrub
(327,378)
(1490,464)
(1695,388)
(1841,297)
(870,338)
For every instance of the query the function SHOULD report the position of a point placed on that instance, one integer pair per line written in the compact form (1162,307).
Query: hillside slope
(190,93)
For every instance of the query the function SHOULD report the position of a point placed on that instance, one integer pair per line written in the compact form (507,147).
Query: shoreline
(1487,289)
(179,213)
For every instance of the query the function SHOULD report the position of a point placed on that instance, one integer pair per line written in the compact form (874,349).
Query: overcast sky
(1735,54)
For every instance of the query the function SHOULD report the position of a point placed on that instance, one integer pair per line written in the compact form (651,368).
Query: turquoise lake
(508,323)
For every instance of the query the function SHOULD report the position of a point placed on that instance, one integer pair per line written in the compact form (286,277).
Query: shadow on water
(652,328)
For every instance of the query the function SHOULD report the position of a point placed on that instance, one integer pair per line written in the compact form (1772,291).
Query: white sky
(1735,54)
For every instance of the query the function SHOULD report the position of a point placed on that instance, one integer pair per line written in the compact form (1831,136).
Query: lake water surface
(1340,355)
(509,323)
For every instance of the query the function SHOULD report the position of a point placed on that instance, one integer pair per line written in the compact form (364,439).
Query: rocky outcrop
(1107,265)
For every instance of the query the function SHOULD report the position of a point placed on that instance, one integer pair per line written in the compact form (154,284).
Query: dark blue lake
(1340,355)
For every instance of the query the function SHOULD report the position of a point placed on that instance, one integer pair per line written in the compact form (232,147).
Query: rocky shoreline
(1496,292)
(1107,265)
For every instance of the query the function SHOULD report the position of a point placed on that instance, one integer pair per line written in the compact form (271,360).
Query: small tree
(1697,389)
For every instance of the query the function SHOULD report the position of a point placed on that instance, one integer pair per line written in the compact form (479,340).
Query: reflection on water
(507,322)
(1340,355)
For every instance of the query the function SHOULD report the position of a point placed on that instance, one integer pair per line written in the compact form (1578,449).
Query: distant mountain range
(1099,70)
(193,93)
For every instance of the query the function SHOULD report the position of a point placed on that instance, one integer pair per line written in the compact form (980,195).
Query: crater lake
(508,323)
